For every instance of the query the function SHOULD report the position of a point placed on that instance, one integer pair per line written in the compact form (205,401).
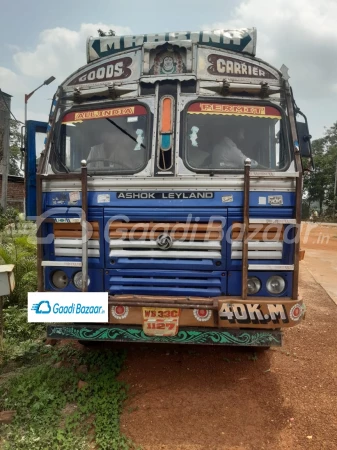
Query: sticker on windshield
(140,139)
(132,119)
(194,136)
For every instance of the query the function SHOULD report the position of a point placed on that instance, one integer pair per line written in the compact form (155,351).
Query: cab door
(35,141)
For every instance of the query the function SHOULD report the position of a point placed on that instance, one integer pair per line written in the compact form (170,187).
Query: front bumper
(222,312)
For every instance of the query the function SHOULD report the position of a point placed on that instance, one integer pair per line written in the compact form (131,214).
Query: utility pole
(5,105)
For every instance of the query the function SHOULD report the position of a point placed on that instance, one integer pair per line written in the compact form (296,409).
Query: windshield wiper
(125,132)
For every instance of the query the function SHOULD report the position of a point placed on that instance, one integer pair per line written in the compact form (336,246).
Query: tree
(14,148)
(319,185)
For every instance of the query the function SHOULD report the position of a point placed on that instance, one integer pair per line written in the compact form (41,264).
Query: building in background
(15,192)
(12,187)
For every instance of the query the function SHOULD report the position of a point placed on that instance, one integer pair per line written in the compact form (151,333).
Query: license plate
(161,321)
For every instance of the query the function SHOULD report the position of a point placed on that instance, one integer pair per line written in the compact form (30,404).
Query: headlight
(275,284)
(254,285)
(78,280)
(60,279)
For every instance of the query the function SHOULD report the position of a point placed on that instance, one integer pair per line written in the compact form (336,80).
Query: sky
(39,39)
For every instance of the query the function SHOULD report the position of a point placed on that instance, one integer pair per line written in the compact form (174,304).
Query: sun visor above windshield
(267,112)
(240,40)
(80,116)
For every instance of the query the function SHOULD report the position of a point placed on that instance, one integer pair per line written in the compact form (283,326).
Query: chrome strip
(64,251)
(61,264)
(257,254)
(281,221)
(164,254)
(271,267)
(188,182)
(75,243)
(257,245)
(193,245)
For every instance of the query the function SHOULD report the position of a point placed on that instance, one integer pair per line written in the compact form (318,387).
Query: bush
(10,216)
(22,340)
(52,412)
(16,327)
(22,253)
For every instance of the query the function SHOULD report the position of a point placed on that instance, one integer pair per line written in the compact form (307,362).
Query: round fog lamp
(59,279)
(275,284)
(253,285)
(78,280)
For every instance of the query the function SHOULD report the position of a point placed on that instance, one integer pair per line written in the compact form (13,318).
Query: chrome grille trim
(73,247)
(120,253)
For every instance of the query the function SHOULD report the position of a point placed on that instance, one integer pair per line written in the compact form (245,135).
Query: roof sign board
(122,68)
(217,65)
(240,40)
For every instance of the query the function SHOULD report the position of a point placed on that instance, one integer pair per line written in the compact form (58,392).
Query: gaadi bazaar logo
(234,110)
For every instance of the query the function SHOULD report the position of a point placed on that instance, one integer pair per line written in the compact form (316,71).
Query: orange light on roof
(166,115)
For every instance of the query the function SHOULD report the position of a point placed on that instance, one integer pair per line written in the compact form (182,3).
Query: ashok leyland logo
(164,241)
(68,307)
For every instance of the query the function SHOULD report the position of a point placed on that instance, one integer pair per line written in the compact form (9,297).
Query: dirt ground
(211,398)
(320,242)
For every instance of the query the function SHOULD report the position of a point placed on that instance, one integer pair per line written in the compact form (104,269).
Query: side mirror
(304,139)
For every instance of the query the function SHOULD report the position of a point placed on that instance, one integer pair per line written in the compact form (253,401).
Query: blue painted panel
(166,282)
(32,127)
(234,281)
(95,275)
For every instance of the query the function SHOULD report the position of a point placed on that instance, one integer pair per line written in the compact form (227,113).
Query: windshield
(221,136)
(110,140)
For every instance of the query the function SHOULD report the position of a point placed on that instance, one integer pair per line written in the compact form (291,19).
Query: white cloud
(302,34)
(8,80)
(59,52)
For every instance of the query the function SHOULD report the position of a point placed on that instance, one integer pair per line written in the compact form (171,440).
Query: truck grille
(189,241)
(166,282)
(264,241)
(68,240)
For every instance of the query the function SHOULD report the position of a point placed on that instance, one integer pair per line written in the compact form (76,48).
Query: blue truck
(171,178)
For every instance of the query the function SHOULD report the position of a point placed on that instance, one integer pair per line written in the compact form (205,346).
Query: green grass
(53,413)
